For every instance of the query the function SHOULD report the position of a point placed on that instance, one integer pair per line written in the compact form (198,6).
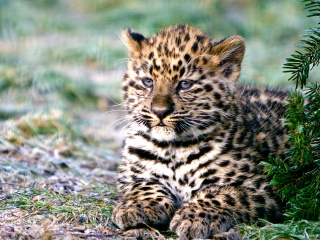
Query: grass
(61,64)
(56,170)
(81,207)
(90,207)
(291,230)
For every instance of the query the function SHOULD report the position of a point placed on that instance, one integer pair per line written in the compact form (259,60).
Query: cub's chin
(163,133)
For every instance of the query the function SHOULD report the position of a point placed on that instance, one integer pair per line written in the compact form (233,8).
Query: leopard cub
(195,139)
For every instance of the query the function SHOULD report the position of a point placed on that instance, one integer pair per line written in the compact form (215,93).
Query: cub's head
(180,83)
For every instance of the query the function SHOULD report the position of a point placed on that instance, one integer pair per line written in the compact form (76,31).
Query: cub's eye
(147,82)
(184,85)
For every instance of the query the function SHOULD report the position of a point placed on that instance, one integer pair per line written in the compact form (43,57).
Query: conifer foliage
(298,176)
(308,56)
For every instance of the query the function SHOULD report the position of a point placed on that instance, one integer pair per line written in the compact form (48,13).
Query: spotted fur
(195,139)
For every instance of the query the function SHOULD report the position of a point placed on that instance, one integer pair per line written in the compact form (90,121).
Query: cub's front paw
(142,234)
(128,216)
(132,215)
(190,223)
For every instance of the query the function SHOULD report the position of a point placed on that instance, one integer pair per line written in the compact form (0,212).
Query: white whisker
(105,93)
(118,122)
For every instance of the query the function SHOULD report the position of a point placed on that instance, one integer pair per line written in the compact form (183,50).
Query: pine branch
(297,177)
(302,62)
(313,7)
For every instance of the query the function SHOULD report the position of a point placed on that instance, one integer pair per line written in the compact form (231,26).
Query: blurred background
(65,52)
(61,66)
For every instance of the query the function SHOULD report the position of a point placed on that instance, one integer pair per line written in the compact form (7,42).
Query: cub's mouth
(161,124)
(163,132)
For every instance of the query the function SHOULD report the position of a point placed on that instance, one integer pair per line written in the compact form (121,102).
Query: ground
(61,121)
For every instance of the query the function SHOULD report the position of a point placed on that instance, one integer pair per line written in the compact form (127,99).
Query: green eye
(185,85)
(147,82)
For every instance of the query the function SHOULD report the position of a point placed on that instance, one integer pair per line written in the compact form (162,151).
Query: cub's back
(262,110)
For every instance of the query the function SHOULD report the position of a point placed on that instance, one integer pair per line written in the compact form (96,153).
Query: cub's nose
(163,112)
(162,105)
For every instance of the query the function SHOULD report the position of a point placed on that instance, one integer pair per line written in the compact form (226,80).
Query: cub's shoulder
(262,100)
(264,95)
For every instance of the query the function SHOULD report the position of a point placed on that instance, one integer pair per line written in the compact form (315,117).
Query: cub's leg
(143,203)
(216,209)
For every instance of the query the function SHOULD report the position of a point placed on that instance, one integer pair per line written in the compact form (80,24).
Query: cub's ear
(230,50)
(133,40)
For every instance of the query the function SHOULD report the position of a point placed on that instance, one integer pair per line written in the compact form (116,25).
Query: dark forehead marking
(144,66)
(157,67)
(178,41)
(182,47)
(187,57)
(194,47)
(187,37)
(166,50)
(182,71)
(200,39)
